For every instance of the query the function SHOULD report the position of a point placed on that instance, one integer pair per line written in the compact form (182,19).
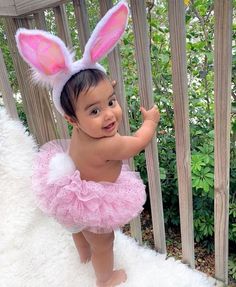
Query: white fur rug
(36,252)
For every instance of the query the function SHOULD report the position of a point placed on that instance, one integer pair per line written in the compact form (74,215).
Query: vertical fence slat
(222,88)
(35,100)
(116,73)
(142,53)
(181,115)
(62,24)
(40,20)
(7,93)
(82,22)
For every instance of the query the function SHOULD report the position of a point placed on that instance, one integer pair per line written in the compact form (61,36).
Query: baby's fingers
(143,111)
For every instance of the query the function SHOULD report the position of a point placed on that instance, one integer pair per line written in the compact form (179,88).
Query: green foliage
(21,114)
(7,57)
(232,267)
(203,186)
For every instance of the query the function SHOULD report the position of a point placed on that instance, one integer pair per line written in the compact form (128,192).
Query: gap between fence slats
(6,90)
(222,88)
(181,118)
(62,24)
(40,21)
(82,22)
(138,10)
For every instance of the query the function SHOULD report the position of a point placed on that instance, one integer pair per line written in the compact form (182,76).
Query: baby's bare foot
(84,254)
(118,277)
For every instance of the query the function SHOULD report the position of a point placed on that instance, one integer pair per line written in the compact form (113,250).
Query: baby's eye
(95,112)
(112,103)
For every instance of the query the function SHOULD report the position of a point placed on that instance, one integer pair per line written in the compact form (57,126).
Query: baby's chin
(107,135)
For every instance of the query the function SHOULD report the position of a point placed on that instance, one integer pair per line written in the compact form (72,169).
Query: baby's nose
(108,114)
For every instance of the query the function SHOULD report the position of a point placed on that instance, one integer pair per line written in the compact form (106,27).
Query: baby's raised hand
(152,114)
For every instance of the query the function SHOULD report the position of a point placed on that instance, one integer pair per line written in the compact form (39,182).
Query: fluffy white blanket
(36,252)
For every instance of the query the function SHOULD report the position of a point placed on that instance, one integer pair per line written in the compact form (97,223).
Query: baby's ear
(71,120)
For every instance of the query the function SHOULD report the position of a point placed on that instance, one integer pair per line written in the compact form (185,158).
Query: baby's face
(98,111)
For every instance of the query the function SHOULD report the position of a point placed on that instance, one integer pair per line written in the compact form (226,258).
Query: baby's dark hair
(79,82)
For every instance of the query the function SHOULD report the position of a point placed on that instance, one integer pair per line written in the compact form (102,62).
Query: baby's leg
(103,259)
(82,246)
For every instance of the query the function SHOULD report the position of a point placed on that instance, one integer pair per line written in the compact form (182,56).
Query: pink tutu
(77,204)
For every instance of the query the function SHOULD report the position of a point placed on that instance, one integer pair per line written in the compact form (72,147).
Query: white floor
(36,252)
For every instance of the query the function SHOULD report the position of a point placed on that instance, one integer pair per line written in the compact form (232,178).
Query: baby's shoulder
(110,139)
(106,142)
(98,147)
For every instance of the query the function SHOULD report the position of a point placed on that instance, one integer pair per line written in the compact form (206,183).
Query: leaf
(186,2)
(209,181)
(164,58)
(162,173)
(195,182)
(206,170)
(210,175)
(205,186)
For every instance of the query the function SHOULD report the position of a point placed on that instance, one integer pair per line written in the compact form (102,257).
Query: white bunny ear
(107,33)
(44,52)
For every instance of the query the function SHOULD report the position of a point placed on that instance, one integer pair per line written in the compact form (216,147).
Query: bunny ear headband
(52,63)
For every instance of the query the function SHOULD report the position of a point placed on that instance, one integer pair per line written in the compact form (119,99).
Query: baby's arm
(124,147)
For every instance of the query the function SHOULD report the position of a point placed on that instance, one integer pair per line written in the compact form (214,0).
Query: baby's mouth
(110,126)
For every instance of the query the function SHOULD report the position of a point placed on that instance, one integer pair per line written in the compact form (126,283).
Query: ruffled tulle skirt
(78,204)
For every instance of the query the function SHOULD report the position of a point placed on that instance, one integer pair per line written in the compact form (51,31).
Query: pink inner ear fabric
(42,53)
(109,34)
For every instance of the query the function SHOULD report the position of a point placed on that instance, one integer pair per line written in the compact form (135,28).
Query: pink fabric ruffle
(86,205)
